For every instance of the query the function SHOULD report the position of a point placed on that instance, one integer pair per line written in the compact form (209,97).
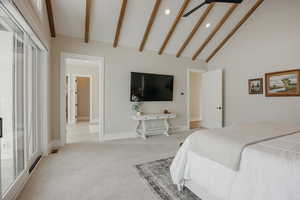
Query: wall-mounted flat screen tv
(151,87)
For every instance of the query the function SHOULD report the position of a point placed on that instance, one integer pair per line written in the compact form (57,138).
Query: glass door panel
(11,101)
(6,109)
(32,103)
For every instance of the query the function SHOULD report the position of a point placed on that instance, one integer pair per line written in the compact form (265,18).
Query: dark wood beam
(120,23)
(235,29)
(88,5)
(150,24)
(195,29)
(174,25)
(215,30)
(50,18)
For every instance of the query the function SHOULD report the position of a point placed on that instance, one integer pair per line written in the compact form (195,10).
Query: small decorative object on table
(166,111)
(136,105)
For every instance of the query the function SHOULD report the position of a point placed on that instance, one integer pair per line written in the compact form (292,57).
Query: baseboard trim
(14,191)
(119,136)
(83,118)
(132,134)
(54,144)
(179,128)
(195,120)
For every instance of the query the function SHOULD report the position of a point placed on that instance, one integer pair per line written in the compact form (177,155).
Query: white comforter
(269,171)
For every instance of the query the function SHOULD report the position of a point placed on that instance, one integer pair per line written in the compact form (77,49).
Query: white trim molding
(17,187)
(179,128)
(100,61)
(83,118)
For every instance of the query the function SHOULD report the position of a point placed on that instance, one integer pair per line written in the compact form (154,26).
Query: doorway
(194,98)
(204,99)
(79,101)
(82,103)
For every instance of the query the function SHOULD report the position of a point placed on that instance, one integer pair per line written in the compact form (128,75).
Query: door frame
(62,107)
(188,78)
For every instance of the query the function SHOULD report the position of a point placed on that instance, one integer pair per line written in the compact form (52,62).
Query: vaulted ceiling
(143,24)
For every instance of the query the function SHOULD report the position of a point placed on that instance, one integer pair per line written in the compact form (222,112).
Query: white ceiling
(69,18)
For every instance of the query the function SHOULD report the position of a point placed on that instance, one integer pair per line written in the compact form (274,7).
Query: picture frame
(256,86)
(283,83)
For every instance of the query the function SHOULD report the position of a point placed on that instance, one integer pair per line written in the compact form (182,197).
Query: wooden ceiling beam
(150,24)
(195,29)
(88,5)
(215,30)
(50,18)
(120,23)
(174,25)
(235,29)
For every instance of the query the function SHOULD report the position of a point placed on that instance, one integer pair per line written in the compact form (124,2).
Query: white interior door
(72,99)
(76,99)
(212,99)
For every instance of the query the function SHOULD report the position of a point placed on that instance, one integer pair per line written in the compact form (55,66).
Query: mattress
(269,170)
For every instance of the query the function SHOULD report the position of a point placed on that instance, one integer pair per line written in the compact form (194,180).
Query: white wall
(119,62)
(268,42)
(195,96)
(92,70)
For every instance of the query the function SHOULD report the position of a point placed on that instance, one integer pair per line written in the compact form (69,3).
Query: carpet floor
(99,171)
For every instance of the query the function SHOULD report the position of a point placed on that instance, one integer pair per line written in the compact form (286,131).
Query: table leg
(138,127)
(167,127)
(144,130)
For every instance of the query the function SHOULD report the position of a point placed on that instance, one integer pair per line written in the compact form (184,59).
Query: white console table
(146,124)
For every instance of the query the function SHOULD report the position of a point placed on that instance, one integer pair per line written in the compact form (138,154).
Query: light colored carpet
(99,171)
(81,132)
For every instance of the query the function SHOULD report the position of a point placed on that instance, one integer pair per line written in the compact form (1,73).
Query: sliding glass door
(11,101)
(20,102)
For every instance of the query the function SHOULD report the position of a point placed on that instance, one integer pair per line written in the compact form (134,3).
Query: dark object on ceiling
(211,1)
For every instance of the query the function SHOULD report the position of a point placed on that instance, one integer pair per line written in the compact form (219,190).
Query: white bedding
(225,145)
(269,171)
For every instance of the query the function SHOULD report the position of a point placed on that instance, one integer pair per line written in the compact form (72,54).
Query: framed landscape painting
(284,83)
(256,86)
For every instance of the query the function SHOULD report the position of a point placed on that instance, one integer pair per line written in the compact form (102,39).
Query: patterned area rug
(157,175)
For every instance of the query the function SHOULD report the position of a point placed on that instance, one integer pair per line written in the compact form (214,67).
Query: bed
(269,168)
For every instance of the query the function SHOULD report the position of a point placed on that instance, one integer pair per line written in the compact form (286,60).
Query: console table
(153,124)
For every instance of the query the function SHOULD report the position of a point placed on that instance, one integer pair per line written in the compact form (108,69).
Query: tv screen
(151,87)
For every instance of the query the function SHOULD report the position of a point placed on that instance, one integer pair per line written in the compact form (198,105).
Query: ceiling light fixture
(207,25)
(167,11)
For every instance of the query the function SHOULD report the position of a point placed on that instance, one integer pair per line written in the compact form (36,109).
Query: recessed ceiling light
(167,11)
(207,25)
